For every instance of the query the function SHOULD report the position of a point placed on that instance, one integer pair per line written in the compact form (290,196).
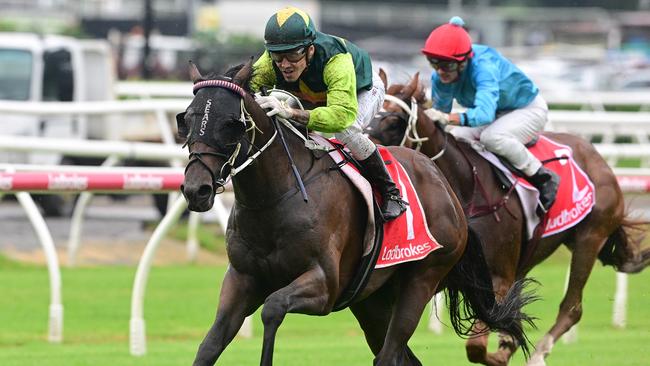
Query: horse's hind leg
(634,258)
(373,314)
(584,256)
(477,345)
(235,303)
(417,288)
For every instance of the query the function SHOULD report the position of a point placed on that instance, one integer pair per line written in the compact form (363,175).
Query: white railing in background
(596,100)
(93,108)
(94,148)
(153,89)
(609,125)
(12,182)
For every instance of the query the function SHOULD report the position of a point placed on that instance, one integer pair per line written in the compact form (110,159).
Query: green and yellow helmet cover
(288,29)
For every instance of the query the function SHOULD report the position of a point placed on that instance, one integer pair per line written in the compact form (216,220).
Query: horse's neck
(453,162)
(270,175)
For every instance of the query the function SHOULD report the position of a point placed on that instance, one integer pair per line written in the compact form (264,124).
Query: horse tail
(622,250)
(471,278)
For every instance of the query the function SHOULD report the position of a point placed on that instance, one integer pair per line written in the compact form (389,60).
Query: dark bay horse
(295,255)
(604,233)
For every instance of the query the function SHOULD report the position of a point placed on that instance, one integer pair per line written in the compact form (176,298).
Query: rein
(229,170)
(411,132)
(294,169)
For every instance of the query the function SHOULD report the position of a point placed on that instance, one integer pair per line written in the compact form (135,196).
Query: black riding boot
(547,182)
(376,173)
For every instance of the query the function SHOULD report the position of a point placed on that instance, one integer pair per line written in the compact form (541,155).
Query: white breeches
(370,102)
(507,135)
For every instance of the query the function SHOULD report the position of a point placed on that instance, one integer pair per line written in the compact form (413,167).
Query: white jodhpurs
(370,102)
(508,134)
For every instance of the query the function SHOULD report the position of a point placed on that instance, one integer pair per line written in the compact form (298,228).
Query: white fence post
(76,223)
(137,335)
(55,332)
(619,315)
(437,303)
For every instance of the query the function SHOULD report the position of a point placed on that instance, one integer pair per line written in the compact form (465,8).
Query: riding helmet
(288,29)
(449,41)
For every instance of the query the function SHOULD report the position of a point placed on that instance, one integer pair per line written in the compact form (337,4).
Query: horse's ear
(383,77)
(410,88)
(183,130)
(419,94)
(195,75)
(244,73)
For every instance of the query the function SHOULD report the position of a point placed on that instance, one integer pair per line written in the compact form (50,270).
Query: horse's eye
(181,124)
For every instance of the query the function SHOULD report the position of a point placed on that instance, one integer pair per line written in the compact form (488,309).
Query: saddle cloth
(406,238)
(575,196)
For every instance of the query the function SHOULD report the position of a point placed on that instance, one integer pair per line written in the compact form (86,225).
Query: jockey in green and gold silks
(336,73)
(334,81)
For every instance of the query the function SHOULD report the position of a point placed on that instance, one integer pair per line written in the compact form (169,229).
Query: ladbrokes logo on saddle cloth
(406,238)
(575,196)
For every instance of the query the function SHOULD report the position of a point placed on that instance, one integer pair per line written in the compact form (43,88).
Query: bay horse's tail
(471,278)
(622,250)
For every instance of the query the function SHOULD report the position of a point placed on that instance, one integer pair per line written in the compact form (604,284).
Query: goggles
(444,65)
(291,56)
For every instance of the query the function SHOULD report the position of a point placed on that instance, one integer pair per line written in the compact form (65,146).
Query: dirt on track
(113,233)
(97,253)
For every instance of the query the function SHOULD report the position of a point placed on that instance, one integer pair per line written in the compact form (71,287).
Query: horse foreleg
(307,294)
(582,262)
(235,303)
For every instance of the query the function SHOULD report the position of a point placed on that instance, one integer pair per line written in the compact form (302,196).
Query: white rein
(411,132)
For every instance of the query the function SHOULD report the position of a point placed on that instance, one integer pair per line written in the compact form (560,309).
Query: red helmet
(449,41)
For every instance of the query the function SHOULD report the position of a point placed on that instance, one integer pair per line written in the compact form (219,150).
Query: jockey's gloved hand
(437,115)
(275,106)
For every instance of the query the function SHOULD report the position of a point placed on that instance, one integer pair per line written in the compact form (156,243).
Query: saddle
(575,196)
(406,238)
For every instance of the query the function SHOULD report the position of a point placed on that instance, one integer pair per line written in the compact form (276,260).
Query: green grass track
(181,300)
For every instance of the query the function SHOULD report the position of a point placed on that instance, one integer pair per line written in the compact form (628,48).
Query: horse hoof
(635,266)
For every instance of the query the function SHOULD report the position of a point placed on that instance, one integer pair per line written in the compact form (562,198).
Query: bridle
(411,132)
(228,169)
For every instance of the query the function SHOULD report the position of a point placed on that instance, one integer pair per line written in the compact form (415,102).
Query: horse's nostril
(205,190)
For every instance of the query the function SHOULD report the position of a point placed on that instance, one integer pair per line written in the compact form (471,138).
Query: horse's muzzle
(200,198)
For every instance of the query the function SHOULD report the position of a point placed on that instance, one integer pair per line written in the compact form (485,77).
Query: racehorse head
(390,125)
(214,128)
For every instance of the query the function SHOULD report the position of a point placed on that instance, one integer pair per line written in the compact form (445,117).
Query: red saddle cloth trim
(406,238)
(576,195)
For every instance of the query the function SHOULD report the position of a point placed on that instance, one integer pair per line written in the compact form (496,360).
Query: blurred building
(389,30)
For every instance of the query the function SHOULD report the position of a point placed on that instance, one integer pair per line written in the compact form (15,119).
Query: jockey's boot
(547,182)
(377,174)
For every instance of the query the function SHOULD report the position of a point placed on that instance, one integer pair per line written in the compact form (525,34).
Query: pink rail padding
(93,182)
(161,182)
(634,184)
